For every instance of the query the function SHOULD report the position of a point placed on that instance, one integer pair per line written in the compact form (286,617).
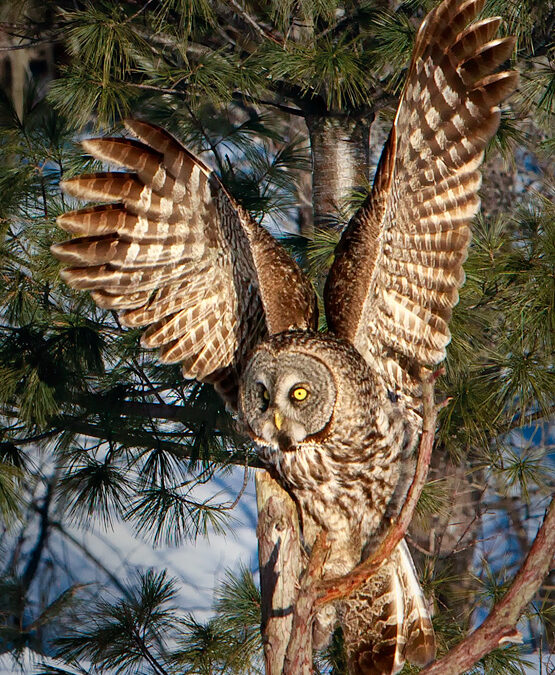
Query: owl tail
(386,622)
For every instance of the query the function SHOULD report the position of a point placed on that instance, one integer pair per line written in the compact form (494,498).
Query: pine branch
(147,654)
(529,418)
(185,414)
(139,11)
(135,439)
(44,530)
(500,625)
(94,559)
(247,18)
(29,45)
(239,96)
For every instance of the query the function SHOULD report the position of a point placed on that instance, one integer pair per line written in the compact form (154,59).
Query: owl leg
(372,620)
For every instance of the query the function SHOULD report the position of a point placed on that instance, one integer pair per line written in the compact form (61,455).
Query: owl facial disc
(286,397)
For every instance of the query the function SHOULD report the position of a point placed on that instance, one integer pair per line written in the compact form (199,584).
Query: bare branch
(252,22)
(500,625)
(136,439)
(239,96)
(29,45)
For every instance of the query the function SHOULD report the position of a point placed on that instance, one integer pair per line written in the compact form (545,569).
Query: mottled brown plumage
(179,255)
(336,416)
(399,263)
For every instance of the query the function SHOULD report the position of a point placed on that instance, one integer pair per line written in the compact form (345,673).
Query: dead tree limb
(500,625)
(298,659)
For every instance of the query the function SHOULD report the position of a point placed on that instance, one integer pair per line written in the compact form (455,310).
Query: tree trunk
(279,555)
(340,159)
(340,162)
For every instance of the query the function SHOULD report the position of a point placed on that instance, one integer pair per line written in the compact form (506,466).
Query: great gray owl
(336,416)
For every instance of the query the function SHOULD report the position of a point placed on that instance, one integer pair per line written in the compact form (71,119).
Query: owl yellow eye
(266,395)
(299,393)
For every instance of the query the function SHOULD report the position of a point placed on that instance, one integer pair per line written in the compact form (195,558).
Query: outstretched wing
(177,254)
(398,266)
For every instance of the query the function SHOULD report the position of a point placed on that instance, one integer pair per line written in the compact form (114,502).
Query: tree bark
(500,625)
(340,159)
(279,555)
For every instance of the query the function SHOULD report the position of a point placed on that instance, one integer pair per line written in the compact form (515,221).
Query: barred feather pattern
(387,620)
(177,254)
(398,266)
(346,479)
(397,271)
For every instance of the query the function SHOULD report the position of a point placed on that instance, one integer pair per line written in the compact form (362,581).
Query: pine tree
(290,103)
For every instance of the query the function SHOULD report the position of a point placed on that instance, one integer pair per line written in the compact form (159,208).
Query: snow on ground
(199,566)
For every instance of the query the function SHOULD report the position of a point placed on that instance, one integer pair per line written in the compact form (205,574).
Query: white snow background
(198,566)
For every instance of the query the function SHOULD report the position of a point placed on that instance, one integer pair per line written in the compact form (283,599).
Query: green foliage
(331,68)
(10,493)
(507,660)
(434,500)
(143,632)
(238,613)
(524,471)
(124,634)
(320,250)
(499,364)
(393,35)
(168,515)
(121,437)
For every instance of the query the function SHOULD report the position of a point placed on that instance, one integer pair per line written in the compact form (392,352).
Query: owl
(336,415)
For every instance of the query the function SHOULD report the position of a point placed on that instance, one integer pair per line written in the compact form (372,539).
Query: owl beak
(278,420)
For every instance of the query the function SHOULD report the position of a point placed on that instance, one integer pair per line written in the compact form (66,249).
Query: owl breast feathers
(336,416)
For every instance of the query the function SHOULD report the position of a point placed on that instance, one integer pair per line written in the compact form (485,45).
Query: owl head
(288,391)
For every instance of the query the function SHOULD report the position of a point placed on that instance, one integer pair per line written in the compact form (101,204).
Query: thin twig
(150,87)
(237,96)
(527,419)
(28,45)
(243,486)
(139,11)
(252,22)
(65,533)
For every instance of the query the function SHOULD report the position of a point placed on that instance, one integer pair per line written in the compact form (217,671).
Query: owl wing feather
(398,265)
(176,253)
(386,621)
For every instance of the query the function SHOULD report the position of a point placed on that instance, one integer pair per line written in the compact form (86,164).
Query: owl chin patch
(285,442)
(281,441)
